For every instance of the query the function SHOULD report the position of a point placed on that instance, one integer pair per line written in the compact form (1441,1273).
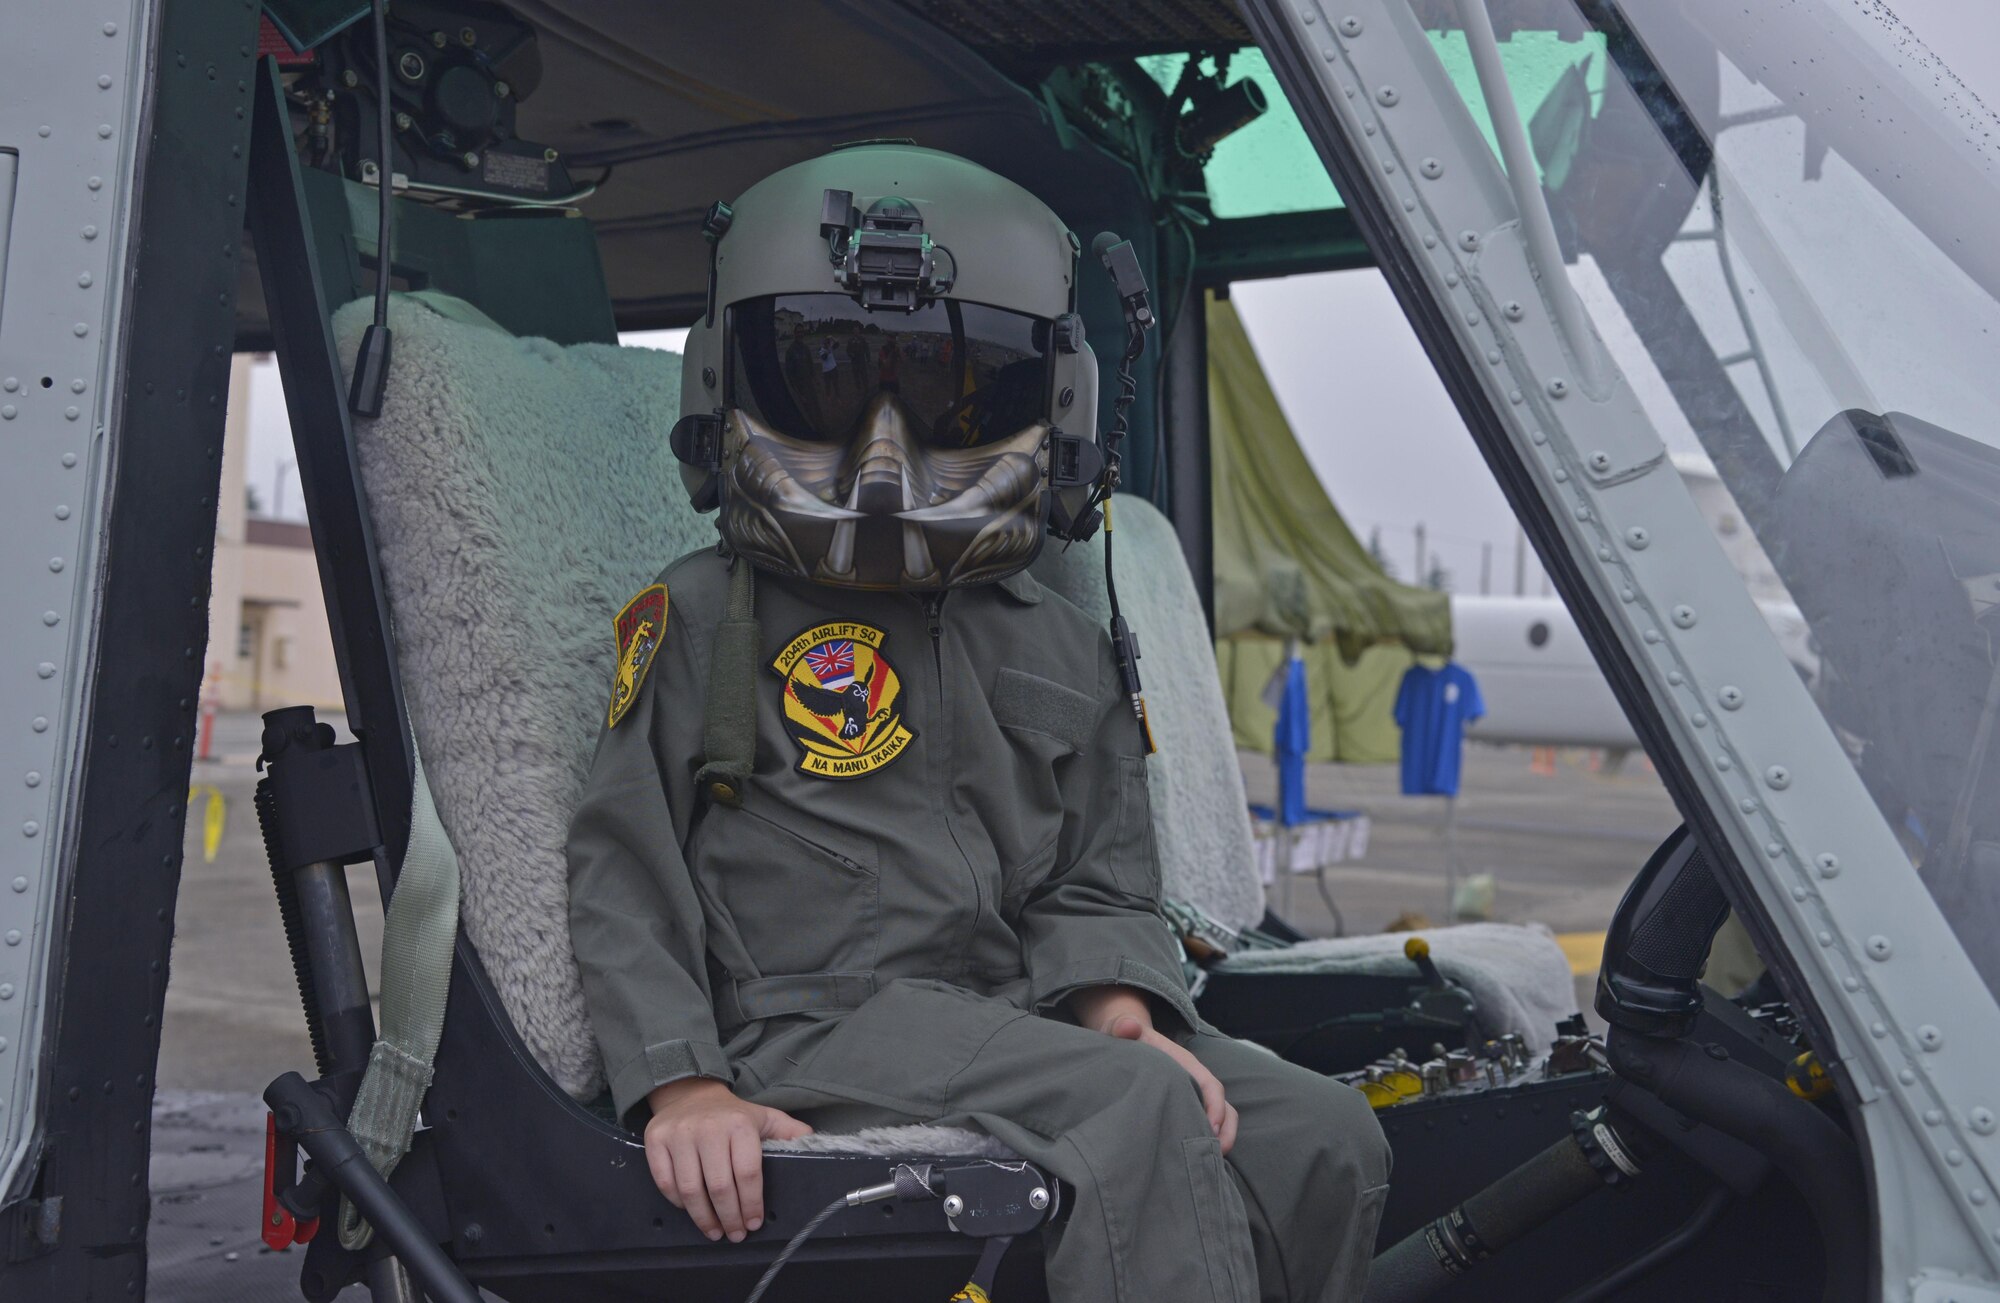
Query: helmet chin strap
(1123,264)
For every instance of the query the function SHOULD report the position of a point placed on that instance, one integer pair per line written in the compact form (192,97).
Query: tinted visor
(809,365)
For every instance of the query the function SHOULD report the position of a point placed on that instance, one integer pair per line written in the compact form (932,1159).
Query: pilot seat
(477,538)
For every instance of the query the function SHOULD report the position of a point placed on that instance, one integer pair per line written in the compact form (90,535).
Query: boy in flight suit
(867,840)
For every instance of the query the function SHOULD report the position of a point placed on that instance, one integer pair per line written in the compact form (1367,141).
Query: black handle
(1654,953)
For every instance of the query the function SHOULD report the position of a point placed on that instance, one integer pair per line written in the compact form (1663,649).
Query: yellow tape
(213,819)
(971,1294)
(1808,1077)
(1393,1089)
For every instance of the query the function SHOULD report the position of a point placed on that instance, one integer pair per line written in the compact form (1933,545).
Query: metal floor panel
(207,1175)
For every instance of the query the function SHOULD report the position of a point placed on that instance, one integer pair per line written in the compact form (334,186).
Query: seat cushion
(520,492)
(1517,976)
(1201,820)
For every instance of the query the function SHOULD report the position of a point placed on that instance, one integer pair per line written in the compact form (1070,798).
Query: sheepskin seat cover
(1518,977)
(1201,818)
(520,492)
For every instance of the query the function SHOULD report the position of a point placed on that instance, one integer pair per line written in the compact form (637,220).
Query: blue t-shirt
(1290,740)
(1432,708)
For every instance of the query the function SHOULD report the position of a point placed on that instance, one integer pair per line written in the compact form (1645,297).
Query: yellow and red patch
(843,701)
(640,627)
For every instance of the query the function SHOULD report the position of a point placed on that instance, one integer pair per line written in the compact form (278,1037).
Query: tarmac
(1560,840)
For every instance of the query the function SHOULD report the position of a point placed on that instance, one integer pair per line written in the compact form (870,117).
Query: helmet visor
(810,364)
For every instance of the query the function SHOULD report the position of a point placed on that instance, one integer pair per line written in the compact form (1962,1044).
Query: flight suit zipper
(934,615)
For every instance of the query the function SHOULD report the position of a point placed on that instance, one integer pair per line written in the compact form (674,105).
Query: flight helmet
(889,388)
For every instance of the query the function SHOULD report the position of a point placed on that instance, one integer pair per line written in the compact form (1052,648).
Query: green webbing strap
(729,724)
(417,938)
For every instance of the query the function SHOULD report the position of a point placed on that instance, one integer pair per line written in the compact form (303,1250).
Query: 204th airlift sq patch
(640,627)
(843,700)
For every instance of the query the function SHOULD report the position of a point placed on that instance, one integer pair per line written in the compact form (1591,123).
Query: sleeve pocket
(1032,704)
(1135,860)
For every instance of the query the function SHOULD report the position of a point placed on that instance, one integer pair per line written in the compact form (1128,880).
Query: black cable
(1124,646)
(1676,1240)
(1326,897)
(384,141)
(1121,420)
(371,360)
(792,1246)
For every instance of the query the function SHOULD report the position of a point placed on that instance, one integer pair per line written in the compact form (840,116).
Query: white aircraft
(1541,685)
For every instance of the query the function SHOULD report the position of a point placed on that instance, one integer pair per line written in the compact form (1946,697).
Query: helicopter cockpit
(1625,234)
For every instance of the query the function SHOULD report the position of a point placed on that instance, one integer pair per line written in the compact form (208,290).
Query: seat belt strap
(729,719)
(418,934)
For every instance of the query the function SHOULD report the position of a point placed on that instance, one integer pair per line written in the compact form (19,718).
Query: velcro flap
(1038,705)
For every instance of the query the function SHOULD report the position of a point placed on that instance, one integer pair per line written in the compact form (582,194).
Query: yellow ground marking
(1584,950)
(212,819)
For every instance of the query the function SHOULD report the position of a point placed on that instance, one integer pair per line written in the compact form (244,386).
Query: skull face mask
(884,450)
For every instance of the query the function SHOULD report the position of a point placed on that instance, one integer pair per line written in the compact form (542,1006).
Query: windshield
(1778,219)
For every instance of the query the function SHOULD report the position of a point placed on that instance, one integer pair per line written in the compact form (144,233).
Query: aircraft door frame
(130,124)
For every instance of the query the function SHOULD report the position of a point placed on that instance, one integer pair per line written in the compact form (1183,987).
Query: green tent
(1287,566)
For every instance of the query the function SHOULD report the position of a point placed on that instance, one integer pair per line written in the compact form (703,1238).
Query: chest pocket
(1044,722)
(802,895)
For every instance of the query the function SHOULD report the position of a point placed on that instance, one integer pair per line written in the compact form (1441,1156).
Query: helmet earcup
(1070,516)
(701,391)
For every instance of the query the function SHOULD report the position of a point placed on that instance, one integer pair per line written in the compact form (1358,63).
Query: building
(269,644)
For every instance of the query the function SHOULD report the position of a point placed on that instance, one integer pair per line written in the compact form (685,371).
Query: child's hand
(1123,1012)
(705,1149)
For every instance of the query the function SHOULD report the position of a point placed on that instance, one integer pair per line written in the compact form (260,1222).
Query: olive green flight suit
(896,944)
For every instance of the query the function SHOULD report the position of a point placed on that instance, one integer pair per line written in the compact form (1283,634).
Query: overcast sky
(1351,376)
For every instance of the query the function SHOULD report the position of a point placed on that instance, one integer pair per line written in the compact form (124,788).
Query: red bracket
(280,1228)
(271,41)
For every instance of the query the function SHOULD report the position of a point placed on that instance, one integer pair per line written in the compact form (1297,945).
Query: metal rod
(307,1116)
(339,980)
(1950,874)
(1755,352)
(1524,178)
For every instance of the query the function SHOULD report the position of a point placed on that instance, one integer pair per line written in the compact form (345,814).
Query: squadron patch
(843,700)
(640,626)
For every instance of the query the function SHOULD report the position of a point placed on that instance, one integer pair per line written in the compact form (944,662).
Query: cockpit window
(1271,167)
(1777,218)
(1267,167)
